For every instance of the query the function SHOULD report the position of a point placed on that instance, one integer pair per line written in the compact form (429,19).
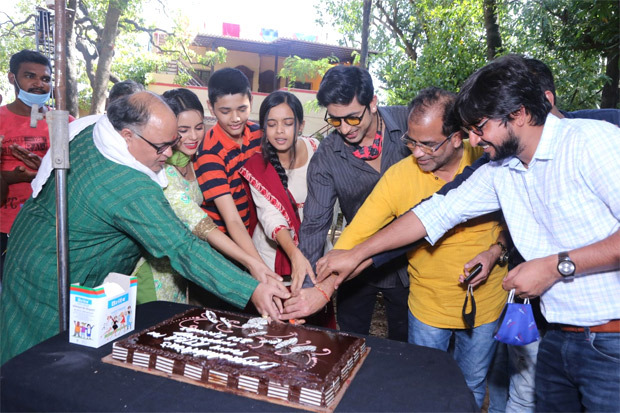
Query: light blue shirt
(569,197)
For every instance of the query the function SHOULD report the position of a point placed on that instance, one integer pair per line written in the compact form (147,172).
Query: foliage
(573,38)
(296,69)
(415,44)
(424,43)
(16,33)
(176,47)
(131,60)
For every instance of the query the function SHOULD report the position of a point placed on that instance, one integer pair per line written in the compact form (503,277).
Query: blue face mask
(31,99)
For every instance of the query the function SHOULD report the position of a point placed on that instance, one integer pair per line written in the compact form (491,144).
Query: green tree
(415,44)
(296,69)
(105,44)
(16,33)
(441,42)
(579,40)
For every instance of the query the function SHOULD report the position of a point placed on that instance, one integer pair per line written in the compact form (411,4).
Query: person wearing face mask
(156,278)
(23,146)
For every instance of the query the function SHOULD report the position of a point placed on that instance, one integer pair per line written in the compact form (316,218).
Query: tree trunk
(365,33)
(71,69)
(106,54)
(609,97)
(494,39)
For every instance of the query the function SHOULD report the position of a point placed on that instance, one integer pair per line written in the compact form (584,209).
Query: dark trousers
(355,302)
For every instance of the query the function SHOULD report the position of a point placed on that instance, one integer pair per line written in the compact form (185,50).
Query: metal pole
(365,33)
(59,138)
(275,72)
(60,54)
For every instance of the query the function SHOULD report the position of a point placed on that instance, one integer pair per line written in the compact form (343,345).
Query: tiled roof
(282,47)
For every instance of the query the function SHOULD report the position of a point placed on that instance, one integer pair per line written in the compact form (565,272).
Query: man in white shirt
(556,181)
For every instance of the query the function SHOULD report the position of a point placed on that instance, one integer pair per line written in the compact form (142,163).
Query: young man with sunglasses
(117,210)
(558,189)
(364,144)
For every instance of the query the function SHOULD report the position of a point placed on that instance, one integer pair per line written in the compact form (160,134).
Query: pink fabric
(231,29)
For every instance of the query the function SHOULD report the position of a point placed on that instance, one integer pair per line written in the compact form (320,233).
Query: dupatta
(263,177)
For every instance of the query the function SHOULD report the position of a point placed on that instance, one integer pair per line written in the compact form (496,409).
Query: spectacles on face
(349,120)
(411,144)
(476,129)
(159,148)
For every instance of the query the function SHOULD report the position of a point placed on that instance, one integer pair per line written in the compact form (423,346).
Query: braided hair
(270,155)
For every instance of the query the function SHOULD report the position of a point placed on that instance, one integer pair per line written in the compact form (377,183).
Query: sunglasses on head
(349,120)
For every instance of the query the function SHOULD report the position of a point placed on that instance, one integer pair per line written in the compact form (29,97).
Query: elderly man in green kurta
(116,208)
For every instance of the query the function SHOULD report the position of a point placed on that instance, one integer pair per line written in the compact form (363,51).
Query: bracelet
(204,228)
(322,292)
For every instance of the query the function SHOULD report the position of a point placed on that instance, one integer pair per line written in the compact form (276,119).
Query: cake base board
(108,359)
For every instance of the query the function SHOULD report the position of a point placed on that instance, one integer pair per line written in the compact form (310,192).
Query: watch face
(566,267)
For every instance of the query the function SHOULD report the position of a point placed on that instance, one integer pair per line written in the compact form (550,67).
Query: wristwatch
(503,257)
(566,267)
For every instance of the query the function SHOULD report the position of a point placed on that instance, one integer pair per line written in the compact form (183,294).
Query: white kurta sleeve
(270,218)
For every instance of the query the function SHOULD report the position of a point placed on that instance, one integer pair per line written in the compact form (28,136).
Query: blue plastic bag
(516,325)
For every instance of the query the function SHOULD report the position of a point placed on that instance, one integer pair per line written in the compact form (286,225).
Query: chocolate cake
(289,362)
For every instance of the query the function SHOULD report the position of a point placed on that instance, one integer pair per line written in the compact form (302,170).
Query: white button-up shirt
(569,197)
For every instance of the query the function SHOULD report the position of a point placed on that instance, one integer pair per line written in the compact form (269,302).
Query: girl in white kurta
(277,181)
(270,219)
(276,178)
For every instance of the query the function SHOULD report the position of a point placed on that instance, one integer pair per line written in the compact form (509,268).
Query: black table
(59,376)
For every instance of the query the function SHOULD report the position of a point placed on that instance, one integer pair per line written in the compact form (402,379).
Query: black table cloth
(59,376)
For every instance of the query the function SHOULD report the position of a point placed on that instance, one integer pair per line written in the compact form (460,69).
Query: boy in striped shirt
(223,152)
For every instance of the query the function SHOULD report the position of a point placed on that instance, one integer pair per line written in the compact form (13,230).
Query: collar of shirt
(230,144)
(547,146)
(391,126)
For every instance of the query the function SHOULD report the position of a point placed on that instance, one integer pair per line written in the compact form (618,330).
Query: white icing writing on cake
(210,354)
(224,345)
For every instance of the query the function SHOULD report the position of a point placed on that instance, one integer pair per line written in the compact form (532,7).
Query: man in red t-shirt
(22,145)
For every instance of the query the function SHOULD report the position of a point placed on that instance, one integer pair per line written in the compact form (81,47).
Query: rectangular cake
(298,364)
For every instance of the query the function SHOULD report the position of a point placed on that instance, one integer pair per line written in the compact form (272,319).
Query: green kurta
(113,211)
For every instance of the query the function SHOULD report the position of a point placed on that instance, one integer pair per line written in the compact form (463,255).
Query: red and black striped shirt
(217,169)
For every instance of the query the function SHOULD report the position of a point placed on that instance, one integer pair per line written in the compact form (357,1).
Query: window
(203,75)
(303,85)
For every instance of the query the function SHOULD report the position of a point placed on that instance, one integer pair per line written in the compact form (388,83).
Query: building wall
(257,63)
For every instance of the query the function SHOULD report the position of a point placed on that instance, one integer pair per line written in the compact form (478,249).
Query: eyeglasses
(160,148)
(476,129)
(411,144)
(349,120)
